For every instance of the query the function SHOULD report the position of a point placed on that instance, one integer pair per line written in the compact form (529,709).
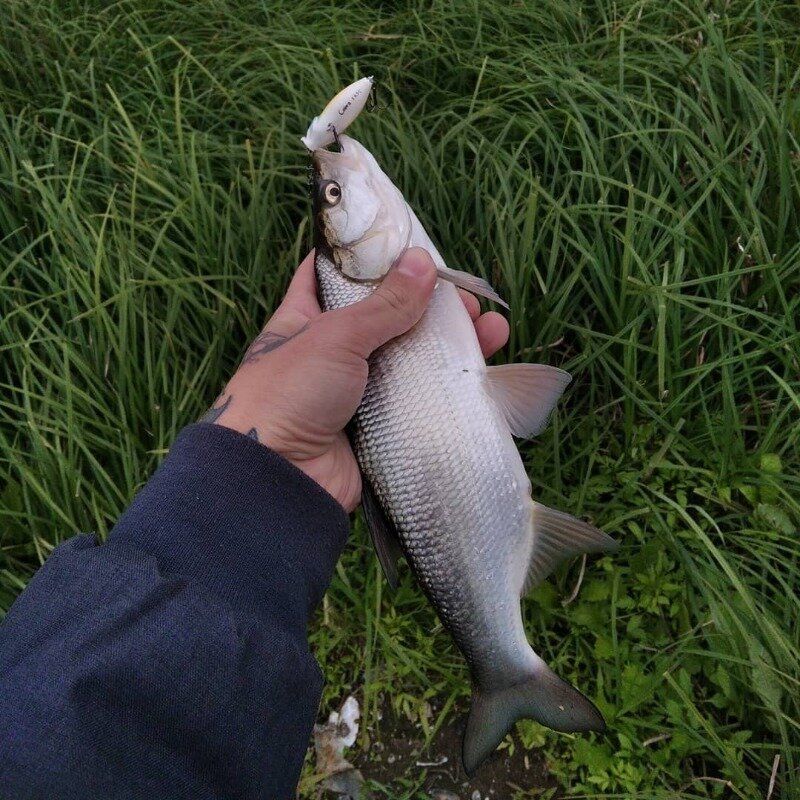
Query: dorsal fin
(557,536)
(527,394)
(382,532)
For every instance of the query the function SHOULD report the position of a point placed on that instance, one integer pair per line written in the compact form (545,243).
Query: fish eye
(332,193)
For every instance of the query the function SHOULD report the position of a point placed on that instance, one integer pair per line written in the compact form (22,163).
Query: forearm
(172,661)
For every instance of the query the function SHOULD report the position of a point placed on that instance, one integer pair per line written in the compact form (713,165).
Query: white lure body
(338,114)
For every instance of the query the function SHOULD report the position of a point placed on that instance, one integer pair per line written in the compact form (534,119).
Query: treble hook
(336,140)
(372,100)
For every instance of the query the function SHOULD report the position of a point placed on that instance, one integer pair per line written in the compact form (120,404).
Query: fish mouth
(316,183)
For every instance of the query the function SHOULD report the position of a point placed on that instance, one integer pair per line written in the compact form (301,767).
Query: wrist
(246,514)
(229,412)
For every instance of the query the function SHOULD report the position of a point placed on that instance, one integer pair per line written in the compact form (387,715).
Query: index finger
(471,303)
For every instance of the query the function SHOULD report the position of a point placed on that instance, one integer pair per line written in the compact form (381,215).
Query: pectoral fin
(557,536)
(382,532)
(472,283)
(527,394)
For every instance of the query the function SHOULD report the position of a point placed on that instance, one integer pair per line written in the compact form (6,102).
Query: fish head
(362,221)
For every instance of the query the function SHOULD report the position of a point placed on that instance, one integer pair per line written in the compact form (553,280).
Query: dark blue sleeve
(172,661)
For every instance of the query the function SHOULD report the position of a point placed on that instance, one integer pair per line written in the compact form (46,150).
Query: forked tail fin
(543,697)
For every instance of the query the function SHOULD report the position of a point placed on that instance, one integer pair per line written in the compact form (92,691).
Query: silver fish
(444,484)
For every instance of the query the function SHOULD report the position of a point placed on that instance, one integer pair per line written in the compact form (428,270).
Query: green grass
(626,173)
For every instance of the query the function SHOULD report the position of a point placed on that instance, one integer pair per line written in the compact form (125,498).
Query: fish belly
(442,463)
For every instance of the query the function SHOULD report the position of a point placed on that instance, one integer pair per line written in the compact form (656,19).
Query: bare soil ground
(399,752)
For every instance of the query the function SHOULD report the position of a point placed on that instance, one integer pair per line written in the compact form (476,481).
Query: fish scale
(426,430)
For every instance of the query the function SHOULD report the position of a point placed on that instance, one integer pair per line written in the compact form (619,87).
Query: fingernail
(416,263)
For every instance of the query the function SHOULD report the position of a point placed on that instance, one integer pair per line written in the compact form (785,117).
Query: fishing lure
(340,112)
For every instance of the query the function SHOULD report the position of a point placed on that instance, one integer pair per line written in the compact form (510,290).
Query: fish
(444,484)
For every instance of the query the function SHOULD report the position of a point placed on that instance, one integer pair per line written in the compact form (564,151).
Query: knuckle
(396,301)
(337,331)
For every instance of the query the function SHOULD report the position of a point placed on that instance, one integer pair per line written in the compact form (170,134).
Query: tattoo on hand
(266,342)
(214,413)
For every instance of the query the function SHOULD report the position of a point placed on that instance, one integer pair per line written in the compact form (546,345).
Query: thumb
(394,307)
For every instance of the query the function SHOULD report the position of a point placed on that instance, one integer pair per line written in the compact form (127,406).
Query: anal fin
(382,532)
(557,536)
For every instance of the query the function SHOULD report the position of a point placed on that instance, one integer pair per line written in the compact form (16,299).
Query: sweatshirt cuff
(238,518)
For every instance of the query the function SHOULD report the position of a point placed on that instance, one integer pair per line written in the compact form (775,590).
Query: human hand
(302,379)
